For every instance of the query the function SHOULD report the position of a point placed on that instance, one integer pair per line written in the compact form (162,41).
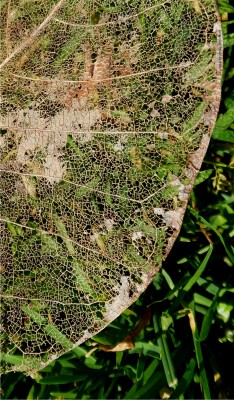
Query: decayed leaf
(106,114)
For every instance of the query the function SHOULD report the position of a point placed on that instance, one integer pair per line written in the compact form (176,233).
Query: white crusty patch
(109,224)
(118,146)
(144,282)
(159,211)
(120,301)
(49,136)
(166,98)
(137,235)
(123,299)
(182,194)
(172,218)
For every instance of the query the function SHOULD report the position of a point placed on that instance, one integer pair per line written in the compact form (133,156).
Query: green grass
(185,348)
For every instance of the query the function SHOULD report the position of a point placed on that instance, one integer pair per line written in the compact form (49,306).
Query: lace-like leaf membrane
(106,112)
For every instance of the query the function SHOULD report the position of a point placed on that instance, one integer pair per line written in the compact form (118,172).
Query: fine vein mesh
(106,112)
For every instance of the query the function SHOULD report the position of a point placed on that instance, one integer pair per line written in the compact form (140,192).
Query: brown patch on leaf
(96,74)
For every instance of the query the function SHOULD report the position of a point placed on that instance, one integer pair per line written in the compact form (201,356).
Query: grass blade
(192,280)
(185,380)
(165,354)
(206,223)
(49,328)
(198,352)
(207,320)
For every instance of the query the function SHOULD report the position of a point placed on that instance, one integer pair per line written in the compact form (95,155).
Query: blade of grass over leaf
(63,232)
(48,328)
(19,360)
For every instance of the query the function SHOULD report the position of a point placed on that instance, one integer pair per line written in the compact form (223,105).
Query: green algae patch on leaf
(106,113)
